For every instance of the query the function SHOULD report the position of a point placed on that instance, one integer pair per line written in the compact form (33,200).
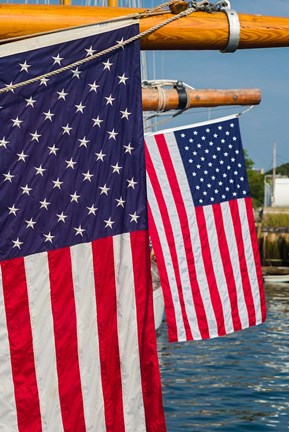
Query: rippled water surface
(235,383)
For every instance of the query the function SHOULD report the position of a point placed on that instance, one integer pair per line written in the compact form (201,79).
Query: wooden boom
(199,31)
(198,98)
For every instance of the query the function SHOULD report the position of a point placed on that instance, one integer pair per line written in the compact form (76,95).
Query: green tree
(256,182)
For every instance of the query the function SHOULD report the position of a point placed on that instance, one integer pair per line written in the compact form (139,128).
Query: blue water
(234,383)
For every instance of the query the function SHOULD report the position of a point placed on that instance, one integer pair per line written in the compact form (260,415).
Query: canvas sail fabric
(202,229)
(77,339)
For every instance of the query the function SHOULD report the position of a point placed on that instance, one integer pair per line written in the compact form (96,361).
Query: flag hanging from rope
(202,229)
(77,339)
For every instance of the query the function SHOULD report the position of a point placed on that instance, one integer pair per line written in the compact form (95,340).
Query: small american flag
(202,228)
(78,348)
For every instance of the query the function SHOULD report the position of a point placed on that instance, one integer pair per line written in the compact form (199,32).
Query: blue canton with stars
(71,146)
(213,159)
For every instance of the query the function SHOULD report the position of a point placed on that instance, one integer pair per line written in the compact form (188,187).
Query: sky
(266,69)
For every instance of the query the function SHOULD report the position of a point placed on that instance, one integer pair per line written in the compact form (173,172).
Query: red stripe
(173,252)
(227,265)
(21,346)
(185,228)
(254,240)
(210,272)
(169,303)
(106,305)
(247,289)
(65,334)
(151,383)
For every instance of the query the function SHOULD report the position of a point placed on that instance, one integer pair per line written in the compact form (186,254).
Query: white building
(281,193)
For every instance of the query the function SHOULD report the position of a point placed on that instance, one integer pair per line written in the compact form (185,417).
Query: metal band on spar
(198,31)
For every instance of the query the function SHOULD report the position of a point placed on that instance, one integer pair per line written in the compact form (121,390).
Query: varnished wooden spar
(199,98)
(199,31)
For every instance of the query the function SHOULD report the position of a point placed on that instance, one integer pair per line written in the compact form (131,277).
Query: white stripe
(194,232)
(8,416)
(218,268)
(38,286)
(134,416)
(250,260)
(234,255)
(180,248)
(60,37)
(87,336)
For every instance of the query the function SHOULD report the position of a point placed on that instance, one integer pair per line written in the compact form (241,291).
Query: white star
(74,197)
(13,210)
(128,148)
(70,163)
(108,223)
(131,183)
(97,121)
(48,237)
(30,223)
(79,231)
(120,202)
(16,122)
(134,217)
(61,217)
(57,183)
(100,156)
(26,190)
(3,142)
(107,65)
(83,142)
(24,66)
(109,100)
(122,79)
(30,102)
(92,209)
(9,87)
(48,115)
(44,81)
(125,114)
(87,176)
(116,168)
(57,59)
(121,43)
(90,51)
(40,170)
(93,87)
(62,94)
(35,136)
(80,107)
(104,189)
(53,149)
(8,177)
(66,129)
(22,156)
(44,204)
(76,73)
(17,243)
(112,134)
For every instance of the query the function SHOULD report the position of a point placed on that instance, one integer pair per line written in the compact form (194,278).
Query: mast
(168,99)
(198,31)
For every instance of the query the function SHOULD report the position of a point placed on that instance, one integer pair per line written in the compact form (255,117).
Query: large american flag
(77,339)
(202,228)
